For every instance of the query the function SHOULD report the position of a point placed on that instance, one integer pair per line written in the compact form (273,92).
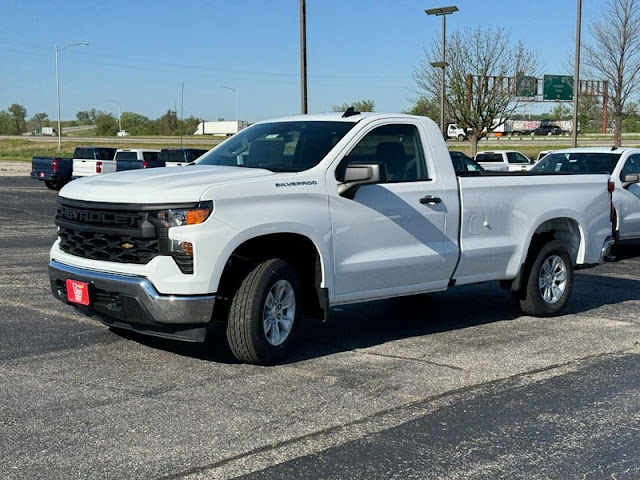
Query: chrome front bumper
(133,303)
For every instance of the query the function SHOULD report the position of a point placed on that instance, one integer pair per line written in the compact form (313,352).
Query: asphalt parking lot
(447,385)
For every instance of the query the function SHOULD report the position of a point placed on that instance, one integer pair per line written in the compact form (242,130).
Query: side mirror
(357,175)
(630,179)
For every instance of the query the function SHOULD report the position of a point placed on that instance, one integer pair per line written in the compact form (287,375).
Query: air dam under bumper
(133,303)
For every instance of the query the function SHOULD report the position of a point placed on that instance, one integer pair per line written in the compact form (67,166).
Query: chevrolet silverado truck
(55,172)
(290,217)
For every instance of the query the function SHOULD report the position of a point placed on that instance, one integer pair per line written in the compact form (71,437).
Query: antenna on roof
(613,148)
(350,112)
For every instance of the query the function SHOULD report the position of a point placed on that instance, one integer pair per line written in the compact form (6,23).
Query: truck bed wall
(501,213)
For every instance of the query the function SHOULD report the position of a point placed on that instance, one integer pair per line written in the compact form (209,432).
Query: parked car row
(89,161)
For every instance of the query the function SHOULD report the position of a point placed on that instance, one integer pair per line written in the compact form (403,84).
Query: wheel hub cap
(279,312)
(552,280)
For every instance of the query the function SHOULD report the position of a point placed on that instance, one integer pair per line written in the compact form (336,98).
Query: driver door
(389,239)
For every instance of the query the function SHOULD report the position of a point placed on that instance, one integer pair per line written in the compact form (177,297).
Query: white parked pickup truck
(292,216)
(89,161)
(623,164)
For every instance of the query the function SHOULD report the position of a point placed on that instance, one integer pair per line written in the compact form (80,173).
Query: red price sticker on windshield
(78,292)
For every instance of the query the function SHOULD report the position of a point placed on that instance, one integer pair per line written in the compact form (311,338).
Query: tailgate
(84,168)
(41,167)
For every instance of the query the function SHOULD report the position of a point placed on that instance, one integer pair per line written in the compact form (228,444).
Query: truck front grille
(124,233)
(107,247)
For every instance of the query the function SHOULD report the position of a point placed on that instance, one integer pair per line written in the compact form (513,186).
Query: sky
(151,56)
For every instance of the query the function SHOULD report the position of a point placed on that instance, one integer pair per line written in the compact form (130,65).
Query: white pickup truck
(623,164)
(292,216)
(89,161)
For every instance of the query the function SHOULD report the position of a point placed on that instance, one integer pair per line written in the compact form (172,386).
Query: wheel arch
(296,248)
(567,230)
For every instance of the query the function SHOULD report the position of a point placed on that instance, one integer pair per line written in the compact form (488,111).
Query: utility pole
(576,76)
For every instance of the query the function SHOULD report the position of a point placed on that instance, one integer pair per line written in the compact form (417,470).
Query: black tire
(461,137)
(53,185)
(248,318)
(550,263)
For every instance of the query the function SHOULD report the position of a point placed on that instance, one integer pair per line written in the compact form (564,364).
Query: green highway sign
(526,86)
(557,87)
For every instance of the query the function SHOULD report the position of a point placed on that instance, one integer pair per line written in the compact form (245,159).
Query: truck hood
(156,185)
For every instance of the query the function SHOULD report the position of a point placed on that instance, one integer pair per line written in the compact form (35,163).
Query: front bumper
(133,303)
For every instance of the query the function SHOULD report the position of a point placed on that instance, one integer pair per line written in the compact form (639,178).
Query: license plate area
(78,292)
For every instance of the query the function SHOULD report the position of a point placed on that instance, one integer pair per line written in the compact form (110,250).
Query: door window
(632,165)
(395,146)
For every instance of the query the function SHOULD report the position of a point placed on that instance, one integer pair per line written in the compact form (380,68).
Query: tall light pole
(576,76)
(303,55)
(58,48)
(442,12)
(119,114)
(234,90)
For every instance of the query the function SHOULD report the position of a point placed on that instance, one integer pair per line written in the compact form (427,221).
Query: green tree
(359,106)
(83,118)
(5,123)
(39,120)
(168,123)
(106,124)
(18,117)
(135,123)
(425,107)
(189,125)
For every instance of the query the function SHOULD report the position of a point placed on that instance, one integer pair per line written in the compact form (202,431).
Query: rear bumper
(54,177)
(608,244)
(133,303)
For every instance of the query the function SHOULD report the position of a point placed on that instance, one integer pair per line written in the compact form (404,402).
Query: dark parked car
(547,129)
(463,163)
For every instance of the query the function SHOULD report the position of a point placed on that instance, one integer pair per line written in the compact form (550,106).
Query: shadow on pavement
(365,325)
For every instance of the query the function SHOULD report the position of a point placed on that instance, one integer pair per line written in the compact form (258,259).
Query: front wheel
(549,280)
(264,313)
(461,137)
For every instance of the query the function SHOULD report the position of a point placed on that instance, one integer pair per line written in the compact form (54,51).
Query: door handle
(430,200)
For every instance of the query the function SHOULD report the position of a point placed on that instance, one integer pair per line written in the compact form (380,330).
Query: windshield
(279,146)
(578,162)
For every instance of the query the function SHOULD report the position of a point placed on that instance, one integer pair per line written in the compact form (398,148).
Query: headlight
(178,217)
(185,216)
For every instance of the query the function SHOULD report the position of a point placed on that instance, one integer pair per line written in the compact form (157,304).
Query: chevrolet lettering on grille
(97,217)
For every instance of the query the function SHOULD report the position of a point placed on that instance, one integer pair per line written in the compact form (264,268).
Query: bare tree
(480,86)
(614,54)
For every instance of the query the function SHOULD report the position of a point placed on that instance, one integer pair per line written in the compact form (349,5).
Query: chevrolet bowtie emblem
(127,246)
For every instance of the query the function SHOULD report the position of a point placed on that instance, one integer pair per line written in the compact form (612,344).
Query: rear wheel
(549,280)
(461,137)
(54,185)
(264,313)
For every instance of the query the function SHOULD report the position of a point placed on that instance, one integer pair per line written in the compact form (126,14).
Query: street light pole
(234,90)
(57,48)
(442,12)
(119,114)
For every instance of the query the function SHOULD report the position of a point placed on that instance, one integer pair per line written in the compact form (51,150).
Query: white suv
(503,161)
